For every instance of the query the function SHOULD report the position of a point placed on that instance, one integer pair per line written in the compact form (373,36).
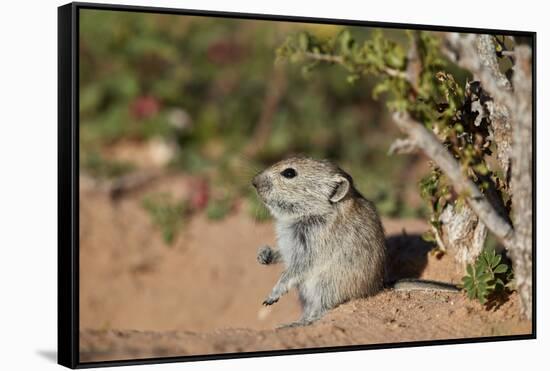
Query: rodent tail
(410,284)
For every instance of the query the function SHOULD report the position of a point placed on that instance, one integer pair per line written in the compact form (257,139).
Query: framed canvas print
(238,185)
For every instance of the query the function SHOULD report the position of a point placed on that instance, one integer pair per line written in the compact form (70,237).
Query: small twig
(402,146)
(414,64)
(118,186)
(505,52)
(340,60)
(325,57)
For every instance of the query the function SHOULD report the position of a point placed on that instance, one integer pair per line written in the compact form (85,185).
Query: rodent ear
(341,189)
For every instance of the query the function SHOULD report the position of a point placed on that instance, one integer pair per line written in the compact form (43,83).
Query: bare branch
(432,147)
(522,149)
(402,146)
(394,73)
(521,181)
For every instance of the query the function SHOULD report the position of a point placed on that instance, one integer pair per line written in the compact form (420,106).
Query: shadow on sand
(407,256)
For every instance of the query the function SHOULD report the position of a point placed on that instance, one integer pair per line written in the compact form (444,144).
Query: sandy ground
(141,298)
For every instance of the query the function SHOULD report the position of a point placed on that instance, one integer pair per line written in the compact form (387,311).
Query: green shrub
(217,74)
(487,277)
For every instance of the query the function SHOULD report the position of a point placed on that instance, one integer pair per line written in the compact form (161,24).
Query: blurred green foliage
(165,213)
(203,84)
(102,168)
(256,208)
(218,209)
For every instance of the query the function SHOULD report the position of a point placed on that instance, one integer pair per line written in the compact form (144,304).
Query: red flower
(199,194)
(144,107)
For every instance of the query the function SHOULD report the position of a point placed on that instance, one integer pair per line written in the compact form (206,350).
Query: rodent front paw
(270,300)
(265,255)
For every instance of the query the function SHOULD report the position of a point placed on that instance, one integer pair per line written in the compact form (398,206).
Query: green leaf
(485,277)
(352,78)
(501,268)
(481,168)
(481,264)
(496,260)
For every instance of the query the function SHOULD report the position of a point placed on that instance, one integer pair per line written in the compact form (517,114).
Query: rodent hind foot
(299,323)
(293,324)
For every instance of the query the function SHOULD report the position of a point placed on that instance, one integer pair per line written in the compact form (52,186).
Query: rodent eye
(289,173)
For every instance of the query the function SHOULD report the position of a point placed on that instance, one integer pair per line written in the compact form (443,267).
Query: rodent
(330,238)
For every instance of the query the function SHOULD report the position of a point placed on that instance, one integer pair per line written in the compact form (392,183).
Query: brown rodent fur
(330,238)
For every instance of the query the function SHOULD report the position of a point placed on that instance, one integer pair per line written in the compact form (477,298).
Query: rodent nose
(261,182)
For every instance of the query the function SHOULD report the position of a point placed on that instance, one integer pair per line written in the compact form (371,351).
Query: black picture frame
(68,182)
